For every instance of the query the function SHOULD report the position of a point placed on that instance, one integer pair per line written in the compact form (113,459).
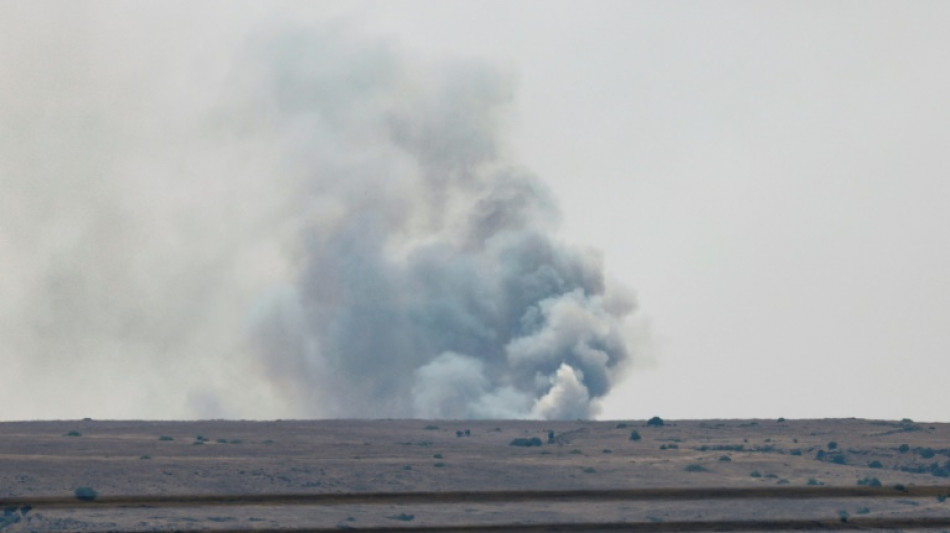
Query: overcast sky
(769,178)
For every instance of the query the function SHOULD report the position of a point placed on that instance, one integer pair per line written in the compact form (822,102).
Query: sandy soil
(52,459)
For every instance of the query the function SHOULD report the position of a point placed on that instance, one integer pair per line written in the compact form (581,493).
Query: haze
(767,179)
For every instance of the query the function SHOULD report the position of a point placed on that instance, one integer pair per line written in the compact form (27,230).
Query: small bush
(655,422)
(430,427)
(796,451)
(86,494)
(403,517)
(695,467)
(73,434)
(926,453)
(755,473)
(439,465)
(621,425)
(165,437)
(589,470)
(863,510)
(145,457)
(843,515)
(575,451)
(200,437)
(814,482)
(832,445)
(783,481)
(875,464)
(522,441)
(607,450)
(781,419)
(870,482)
(941,498)
(634,435)
(725,459)
(903,448)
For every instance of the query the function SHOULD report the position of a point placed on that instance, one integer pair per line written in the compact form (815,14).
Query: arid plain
(171,459)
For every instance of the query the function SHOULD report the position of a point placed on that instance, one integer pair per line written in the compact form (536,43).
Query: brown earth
(53,459)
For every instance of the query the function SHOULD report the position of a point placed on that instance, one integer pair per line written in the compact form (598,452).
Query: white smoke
(290,221)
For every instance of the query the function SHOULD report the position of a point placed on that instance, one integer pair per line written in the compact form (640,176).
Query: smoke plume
(280,221)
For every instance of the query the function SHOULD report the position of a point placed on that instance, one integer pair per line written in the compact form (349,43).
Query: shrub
(832,445)
(814,482)
(86,494)
(621,425)
(439,465)
(695,467)
(634,435)
(437,456)
(796,451)
(73,434)
(941,498)
(781,419)
(755,473)
(870,482)
(926,453)
(607,450)
(843,515)
(550,437)
(903,448)
(403,517)
(589,470)
(875,464)
(430,427)
(145,457)
(725,459)
(863,510)
(165,437)
(521,441)
(655,422)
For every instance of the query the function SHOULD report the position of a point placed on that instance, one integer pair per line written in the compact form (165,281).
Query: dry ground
(234,457)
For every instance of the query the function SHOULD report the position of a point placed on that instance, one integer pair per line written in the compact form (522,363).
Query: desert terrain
(902,467)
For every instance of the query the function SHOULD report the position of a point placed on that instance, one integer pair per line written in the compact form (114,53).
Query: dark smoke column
(431,281)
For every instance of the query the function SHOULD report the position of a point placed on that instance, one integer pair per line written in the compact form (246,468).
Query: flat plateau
(178,460)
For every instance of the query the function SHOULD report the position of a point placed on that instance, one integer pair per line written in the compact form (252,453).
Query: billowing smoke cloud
(297,222)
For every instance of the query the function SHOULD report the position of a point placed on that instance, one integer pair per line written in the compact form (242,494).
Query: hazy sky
(769,178)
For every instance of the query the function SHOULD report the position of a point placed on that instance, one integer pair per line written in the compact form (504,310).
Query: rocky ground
(54,459)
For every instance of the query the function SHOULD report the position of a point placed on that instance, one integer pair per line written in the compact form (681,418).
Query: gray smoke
(432,283)
(272,221)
